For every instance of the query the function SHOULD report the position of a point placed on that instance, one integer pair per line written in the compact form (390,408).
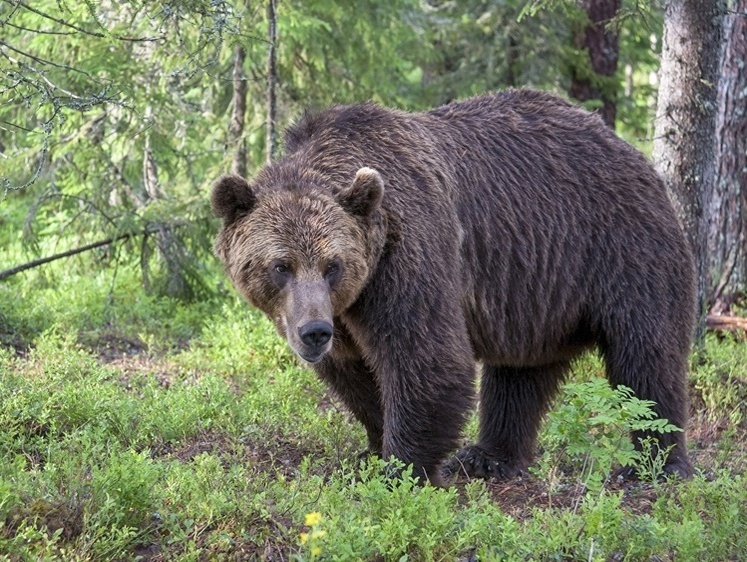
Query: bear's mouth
(311,353)
(313,357)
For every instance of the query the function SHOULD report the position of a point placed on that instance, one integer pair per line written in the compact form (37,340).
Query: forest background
(116,117)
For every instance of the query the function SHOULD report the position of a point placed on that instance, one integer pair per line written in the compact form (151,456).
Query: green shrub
(590,432)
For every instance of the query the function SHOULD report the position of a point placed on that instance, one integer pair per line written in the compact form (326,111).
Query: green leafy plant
(590,431)
(222,446)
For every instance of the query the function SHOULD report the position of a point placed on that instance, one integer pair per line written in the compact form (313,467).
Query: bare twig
(40,61)
(40,31)
(41,261)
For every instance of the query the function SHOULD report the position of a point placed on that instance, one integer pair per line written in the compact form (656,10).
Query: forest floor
(137,427)
(518,497)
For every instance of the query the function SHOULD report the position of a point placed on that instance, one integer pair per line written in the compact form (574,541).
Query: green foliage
(590,431)
(707,517)
(363,514)
(333,52)
(82,123)
(215,443)
(720,381)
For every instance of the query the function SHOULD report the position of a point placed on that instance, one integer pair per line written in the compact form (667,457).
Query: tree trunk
(272,78)
(603,47)
(684,149)
(512,60)
(170,248)
(727,244)
(236,129)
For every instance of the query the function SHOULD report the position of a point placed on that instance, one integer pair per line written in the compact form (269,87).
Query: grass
(137,427)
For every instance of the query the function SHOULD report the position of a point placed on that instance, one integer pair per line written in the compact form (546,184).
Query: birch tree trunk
(684,148)
(727,243)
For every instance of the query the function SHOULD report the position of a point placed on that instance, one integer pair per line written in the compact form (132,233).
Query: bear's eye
(333,272)
(280,273)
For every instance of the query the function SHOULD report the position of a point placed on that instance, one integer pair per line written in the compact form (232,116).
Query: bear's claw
(475,462)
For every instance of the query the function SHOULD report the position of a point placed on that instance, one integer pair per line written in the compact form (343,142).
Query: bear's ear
(364,195)
(231,198)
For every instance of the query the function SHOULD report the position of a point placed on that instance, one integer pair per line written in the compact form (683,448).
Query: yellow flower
(318,534)
(313,518)
(304,537)
(316,551)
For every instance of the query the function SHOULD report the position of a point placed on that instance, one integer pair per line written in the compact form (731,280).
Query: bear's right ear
(364,195)
(231,198)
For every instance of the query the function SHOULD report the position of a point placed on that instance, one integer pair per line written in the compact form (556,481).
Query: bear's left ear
(364,195)
(232,197)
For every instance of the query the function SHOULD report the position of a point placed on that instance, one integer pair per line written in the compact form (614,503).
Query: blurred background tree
(115,117)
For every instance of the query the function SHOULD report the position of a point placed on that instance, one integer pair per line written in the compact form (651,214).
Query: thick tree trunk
(272,78)
(727,243)
(603,47)
(236,128)
(684,149)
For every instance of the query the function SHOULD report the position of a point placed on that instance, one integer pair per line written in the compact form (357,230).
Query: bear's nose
(315,333)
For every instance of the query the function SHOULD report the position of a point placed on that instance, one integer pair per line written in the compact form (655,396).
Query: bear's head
(297,252)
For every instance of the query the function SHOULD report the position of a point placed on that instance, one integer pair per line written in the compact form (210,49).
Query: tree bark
(603,46)
(684,149)
(236,128)
(727,243)
(272,78)
(150,169)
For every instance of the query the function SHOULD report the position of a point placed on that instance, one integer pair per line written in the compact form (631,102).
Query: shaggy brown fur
(395,250)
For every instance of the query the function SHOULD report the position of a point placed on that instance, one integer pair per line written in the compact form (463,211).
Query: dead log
(722,323)
(41,261)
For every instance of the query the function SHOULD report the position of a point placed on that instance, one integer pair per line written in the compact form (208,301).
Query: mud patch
(62,517)
(109,347)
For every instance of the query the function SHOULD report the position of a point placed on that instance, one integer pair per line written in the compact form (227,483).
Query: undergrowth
(133,426)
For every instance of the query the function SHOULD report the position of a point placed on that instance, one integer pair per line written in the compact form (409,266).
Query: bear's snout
(315,334)
(308,319)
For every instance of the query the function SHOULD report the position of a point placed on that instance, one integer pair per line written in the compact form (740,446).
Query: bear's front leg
(410,325)
(425,408)
(354,383)
(427,392)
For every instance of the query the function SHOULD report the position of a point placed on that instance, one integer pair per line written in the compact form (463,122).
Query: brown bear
(395,251)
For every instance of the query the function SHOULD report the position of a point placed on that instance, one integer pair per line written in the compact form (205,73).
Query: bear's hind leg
(656,373)
(512,403)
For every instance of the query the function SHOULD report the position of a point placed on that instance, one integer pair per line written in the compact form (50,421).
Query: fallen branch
(718,322)
(41,261)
